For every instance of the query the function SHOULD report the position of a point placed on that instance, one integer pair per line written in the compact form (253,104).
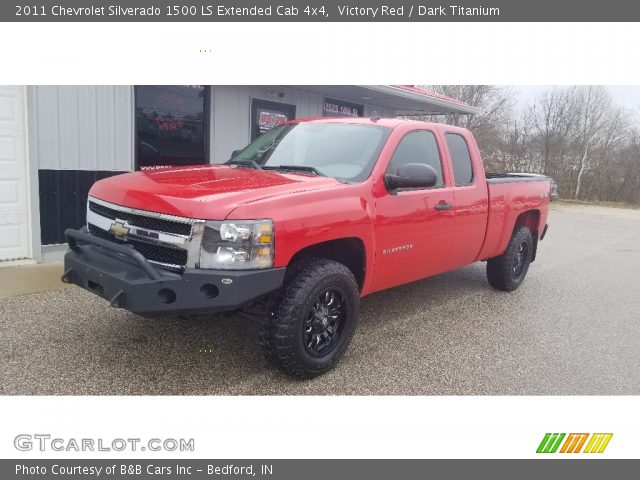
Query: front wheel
(507,271)
(310,322)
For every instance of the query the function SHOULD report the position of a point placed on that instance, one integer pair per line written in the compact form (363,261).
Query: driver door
(414,227)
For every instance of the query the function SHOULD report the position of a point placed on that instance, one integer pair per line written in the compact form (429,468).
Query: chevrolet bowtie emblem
(119,229)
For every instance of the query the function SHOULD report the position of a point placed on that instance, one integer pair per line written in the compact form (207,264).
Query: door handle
(442,206)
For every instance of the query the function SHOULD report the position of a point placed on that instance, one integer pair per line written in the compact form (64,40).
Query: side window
(460,159)
(417,147)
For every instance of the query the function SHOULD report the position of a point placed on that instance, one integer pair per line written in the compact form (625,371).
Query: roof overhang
(400,100)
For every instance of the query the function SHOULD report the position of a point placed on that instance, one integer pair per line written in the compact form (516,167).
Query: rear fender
(531,220)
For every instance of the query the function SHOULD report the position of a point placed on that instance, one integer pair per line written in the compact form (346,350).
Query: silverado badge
(119,229)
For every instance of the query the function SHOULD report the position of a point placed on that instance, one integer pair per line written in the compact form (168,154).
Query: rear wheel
(507,271)
(310,322)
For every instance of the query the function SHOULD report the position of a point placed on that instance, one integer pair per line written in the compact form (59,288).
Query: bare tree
(489,127)
(574,131)
(552,120)
(577,135)
(595,113)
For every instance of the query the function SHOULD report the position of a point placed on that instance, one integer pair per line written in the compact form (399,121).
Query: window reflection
(171,126)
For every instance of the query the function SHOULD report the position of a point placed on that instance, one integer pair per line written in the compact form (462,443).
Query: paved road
(572,328)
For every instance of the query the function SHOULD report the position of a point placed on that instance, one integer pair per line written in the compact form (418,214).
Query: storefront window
(265,115)
(171,125)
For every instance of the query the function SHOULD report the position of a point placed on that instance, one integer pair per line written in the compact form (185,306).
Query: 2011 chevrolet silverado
(302,223)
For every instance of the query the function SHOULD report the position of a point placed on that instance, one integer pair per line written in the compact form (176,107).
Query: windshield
(345,151)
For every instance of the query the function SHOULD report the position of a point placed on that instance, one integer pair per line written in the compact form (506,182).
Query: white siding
(369,110)
(83,127)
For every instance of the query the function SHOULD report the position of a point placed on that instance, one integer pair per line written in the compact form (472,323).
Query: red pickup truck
(302,223)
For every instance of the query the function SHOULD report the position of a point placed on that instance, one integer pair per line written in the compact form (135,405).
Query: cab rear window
(460,159)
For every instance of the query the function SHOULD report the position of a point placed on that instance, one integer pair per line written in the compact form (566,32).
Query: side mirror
(234,153)
(412,175)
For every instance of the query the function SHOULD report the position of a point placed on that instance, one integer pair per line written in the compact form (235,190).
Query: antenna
(375,116)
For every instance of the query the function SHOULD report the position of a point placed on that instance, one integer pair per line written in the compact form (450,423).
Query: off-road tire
(282,330)
(507,272)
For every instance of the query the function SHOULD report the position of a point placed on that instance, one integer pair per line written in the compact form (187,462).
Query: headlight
(237,245)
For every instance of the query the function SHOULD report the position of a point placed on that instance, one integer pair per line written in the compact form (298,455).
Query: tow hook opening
(166,296)
(209,290)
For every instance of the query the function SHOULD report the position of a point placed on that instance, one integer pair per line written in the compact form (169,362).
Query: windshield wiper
(245,163)
(301,168)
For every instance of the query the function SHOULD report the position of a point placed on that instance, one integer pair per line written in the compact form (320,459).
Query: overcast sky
(625,95)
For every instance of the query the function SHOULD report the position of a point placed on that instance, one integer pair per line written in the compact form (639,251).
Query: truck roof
(385,122)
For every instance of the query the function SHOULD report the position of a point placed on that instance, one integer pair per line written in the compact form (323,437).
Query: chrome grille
(150,223)
(166,240)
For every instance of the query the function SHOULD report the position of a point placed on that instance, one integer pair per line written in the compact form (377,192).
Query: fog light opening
(167,296)
(209,290)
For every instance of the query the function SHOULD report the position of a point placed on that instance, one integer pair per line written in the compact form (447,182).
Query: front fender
(310,218)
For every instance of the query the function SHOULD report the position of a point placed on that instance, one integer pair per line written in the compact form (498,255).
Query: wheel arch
(350,251)
(531,220)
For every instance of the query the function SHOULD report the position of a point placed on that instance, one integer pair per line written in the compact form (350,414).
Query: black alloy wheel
(520,259)
(309,323)
(507,271)
(324,323)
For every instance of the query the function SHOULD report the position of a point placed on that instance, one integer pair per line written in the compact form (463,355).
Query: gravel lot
(572,328)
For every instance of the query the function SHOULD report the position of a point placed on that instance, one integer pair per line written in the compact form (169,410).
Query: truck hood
(208,192)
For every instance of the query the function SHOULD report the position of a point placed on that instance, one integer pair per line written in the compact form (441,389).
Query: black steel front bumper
(121,275)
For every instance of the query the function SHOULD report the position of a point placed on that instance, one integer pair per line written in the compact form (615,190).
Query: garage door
(14,225)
